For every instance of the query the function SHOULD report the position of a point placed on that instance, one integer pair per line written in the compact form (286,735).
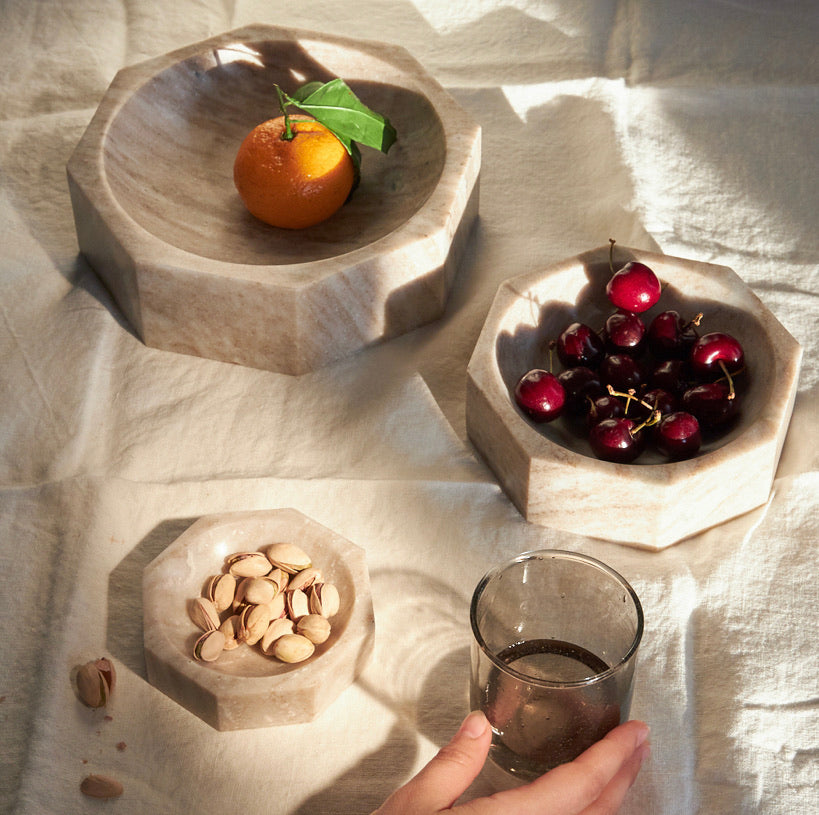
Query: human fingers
(571,788)
(445,778)
(615,792)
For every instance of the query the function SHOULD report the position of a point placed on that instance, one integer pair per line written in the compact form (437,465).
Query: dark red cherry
(615,440)
(711,403)
(622,372)
(625,333)
(669,336)
(578,344)
(634,288)
(659,399)
(540,395)
(580,384)
(714,348)
(606,407)
(671,375)
(678,435)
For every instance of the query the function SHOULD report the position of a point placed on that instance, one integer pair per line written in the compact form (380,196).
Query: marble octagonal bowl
(550,473)
(158,217)
(244,688)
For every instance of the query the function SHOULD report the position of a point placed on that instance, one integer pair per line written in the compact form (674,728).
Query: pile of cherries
(633,383)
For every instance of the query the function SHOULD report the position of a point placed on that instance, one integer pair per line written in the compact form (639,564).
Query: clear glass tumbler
(555,637)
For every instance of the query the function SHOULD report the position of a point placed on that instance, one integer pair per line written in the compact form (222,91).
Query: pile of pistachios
(275,600)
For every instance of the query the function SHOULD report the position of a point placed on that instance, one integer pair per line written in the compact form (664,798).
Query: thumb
(448,775)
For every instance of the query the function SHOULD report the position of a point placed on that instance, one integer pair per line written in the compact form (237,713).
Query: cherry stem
(651,420)
(731,391)
(552,344)
(631,395)
(288,132)
(611,255)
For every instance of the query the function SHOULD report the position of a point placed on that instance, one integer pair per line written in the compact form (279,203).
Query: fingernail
(643,734)
(474,725)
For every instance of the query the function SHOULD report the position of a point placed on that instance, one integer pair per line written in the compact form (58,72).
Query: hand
(595,783)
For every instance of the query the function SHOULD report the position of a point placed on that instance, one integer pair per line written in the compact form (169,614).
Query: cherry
(659,399)
(578,344)
(712,403)
(625,333)
(605,407)
(540,395)
(622,372)
(670,375)
(714,348)
(670,337)
(634,288)
(580,384)
(617,440)
(678,435)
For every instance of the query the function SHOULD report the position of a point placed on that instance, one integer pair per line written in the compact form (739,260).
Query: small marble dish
(244,688)
(550,473)
(159,219)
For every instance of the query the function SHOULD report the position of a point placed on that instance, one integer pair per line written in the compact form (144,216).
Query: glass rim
(541,554)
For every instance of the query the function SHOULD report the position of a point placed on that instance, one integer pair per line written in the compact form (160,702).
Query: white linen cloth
(684,127)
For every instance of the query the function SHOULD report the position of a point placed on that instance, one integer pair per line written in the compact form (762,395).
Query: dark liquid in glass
(537,728)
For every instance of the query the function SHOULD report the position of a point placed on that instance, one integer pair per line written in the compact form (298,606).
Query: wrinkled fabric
(682,127)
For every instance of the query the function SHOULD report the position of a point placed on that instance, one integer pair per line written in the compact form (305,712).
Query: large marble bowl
(159,219)
(244,688)
(549,471)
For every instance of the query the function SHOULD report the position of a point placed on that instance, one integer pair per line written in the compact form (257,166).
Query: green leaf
(336,106)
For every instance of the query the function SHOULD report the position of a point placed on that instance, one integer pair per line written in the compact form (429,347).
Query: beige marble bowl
(549,471)
(158,217)
(243,688)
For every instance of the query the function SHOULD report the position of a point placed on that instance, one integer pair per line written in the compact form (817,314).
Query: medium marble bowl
(244,688)
(549,471)
(159,219)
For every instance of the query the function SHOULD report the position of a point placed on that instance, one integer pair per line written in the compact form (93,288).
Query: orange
(293,183)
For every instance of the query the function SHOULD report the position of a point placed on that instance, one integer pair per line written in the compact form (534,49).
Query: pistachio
(254,621)
(221,590)
(95,682)
(293,648)
(324,599)
(248,564)
(277,628)
(231,628)
(279,577)
(315,627)
(204,614)
(259,590)
(288,557)
(305,578)
(100,786)
(297,604)
(208,647)
(277,607)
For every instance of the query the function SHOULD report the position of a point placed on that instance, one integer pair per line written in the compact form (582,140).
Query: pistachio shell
(279,577)
(208,647)
(315,627)
(254,622)
(297,604)
(221,591)
(100,786)
(277,628)
(248,564)
(259,590)
(204,614)
(305,578)
(324,599)
(293,648)
(277,606)
(231,628)
(95,682)
(288,557)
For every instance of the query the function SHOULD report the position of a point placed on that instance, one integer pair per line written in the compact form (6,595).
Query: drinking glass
(555,639)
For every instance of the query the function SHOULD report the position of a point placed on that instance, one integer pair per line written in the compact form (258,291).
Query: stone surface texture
(159,219)
(243,688)
(550,473)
